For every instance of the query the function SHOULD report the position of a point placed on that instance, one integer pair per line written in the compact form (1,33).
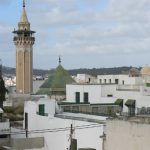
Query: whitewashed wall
(30,107)
(49,106)
(108,90)
(97,93)
(88,137)
(125,135)
(93,90)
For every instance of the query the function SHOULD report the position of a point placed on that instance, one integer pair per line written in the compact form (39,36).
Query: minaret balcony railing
(18,38)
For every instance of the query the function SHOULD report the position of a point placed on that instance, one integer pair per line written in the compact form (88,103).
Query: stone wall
(28,143)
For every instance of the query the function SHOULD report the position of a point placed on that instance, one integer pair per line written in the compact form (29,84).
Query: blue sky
(86,33)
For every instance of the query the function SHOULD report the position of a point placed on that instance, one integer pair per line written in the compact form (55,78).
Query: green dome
(56,83)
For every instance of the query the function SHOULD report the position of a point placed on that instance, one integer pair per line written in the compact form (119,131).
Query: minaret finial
(59,60)
(24,5)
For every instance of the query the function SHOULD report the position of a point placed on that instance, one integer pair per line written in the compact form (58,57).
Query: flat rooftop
(82,117)
(142,119)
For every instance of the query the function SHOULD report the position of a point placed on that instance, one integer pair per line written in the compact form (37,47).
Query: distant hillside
(102,71)
(93,71)
(12,71)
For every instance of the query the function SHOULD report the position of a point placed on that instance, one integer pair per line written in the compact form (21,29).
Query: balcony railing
(128,88)
(97,109)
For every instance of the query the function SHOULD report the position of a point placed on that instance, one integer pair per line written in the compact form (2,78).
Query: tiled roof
(58,80)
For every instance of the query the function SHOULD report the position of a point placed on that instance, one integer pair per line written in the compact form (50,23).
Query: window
(89,80)
(110,81)
(123,82)
(100,81)
(105,81)
(77,97)
(131,111)
(116,81)
(86,97)
(109,95)
(41,109)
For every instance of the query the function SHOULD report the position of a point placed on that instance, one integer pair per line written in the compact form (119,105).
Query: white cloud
(78,27)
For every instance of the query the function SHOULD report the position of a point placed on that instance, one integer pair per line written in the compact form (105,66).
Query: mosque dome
(145,70)
(56,83)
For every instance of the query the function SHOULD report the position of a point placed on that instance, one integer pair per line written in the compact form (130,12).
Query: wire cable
(57,129)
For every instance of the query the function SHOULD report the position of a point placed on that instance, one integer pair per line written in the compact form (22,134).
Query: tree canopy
(3,91)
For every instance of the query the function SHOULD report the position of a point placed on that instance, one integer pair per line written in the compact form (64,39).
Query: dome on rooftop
(56,83)
(145,70)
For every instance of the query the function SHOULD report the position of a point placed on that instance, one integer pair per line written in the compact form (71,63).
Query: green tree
(3,91)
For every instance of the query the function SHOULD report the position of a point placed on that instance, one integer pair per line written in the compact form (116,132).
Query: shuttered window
(77,97)
(41,109)
(86,97)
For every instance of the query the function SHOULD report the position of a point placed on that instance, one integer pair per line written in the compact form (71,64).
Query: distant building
(24,41)
(85,78)
(145,73)
(130,92)
(133,72)
(10,81)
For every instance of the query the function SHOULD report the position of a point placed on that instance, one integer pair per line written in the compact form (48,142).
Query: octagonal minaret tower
(24,41)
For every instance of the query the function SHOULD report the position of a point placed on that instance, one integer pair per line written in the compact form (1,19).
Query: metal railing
(92,109)
(128,88)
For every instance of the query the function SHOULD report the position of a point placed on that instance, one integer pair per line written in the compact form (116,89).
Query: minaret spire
(24,23)
(24,4)
(59,60)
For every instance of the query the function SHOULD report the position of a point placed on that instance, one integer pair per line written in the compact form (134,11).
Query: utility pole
(71,134)
(103,137)
(26,124)
(73,142)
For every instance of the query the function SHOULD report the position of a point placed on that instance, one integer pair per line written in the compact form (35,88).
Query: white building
(132,89)
(90,93)
(85,78)
(43,118)
(119,79)
(10,81)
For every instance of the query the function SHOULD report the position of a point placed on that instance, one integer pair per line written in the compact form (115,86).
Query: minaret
(24,41)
